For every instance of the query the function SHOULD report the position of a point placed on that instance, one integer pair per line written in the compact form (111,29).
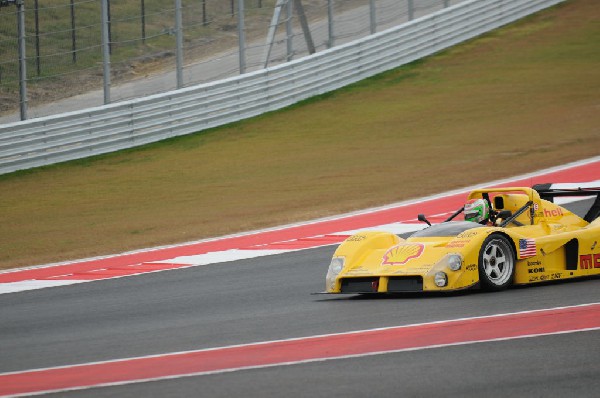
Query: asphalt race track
(268,298)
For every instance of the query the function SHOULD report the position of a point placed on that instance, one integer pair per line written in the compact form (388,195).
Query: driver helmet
(477,210)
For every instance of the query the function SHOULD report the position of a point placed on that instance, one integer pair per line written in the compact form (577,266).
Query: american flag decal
(527,248)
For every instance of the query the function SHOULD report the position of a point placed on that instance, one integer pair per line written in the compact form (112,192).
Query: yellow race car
(511,236)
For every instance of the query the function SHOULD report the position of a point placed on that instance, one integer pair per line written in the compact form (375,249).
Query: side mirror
(421,217)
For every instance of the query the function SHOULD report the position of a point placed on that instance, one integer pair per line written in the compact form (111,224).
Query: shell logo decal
(401,253)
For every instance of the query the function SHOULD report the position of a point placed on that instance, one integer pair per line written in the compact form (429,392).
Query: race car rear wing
(550,191)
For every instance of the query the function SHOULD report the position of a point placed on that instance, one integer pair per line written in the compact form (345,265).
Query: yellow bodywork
(564,246)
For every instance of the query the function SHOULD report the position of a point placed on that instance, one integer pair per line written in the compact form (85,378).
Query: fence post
(179,43)
(73,38)
(241,37)
(143,12)
(330,41)
(273,29)
(109,26)
(36,16)
(22,59)
(105,51)
(289,32)
(372,18)
(304,24)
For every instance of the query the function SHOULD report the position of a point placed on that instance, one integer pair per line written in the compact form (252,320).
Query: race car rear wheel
(496,263)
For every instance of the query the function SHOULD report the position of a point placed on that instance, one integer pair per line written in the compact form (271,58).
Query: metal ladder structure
(281,4)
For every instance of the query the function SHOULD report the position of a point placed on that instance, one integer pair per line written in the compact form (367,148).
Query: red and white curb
(266,354)
(397,218)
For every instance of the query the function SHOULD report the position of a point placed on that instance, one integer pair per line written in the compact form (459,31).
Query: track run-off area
(398,218)
(231,311)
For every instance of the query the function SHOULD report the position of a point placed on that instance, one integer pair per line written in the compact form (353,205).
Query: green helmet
(477,210)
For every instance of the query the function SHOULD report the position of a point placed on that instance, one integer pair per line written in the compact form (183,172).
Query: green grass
(520,99)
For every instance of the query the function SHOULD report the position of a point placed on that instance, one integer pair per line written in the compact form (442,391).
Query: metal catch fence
(144,47)
(134,122)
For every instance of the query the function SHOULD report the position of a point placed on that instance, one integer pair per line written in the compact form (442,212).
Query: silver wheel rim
(497,262)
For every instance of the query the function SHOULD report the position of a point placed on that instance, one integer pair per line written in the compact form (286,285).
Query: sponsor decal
(402,253)
(458,243)
(588,261)
(527,248)
(536,270)
(553,213)
(543,278)
(401,272)
(471,267)
(425,267)
(356,238)
(358,272)
(414,270)
(466,234)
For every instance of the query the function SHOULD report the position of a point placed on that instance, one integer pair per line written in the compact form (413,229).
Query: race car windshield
(446,229)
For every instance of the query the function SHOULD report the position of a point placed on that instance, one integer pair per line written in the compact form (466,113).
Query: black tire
(496,263)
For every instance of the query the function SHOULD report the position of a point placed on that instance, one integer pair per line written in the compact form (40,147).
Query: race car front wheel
(496,263)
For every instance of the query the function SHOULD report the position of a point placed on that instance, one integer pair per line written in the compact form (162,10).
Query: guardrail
(113,127)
